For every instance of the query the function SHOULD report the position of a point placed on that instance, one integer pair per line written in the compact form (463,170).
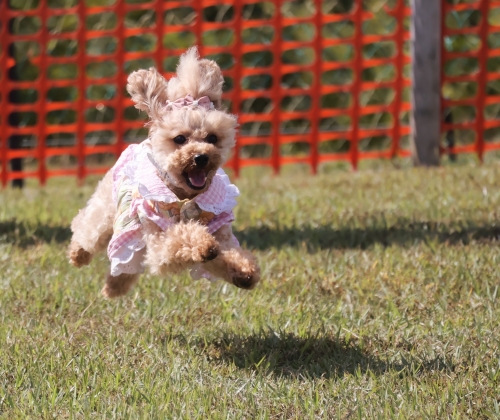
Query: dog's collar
(161,173)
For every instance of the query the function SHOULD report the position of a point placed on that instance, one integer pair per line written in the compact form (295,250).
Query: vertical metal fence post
(426,77)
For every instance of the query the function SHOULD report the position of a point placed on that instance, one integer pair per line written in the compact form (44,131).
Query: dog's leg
(93,226)
(179,247)
(234,264)
(119,285)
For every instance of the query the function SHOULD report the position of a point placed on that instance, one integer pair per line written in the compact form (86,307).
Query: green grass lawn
(379,299)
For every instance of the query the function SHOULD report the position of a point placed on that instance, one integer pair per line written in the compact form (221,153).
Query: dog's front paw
(243,269)
(192,243)
(211,253)
(245,281)
(207,251)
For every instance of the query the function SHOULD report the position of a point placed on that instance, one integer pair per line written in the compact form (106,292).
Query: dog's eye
(211,138)
(180,139)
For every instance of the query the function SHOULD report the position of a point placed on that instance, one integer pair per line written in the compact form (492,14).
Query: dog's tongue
(197,177)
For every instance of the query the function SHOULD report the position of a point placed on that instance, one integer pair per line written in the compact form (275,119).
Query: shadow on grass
(403,233)
(23,234)
(311,357)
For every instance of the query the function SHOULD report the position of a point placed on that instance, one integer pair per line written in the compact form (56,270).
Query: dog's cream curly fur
(183,244)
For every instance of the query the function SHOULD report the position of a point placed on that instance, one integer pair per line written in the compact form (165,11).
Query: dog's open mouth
(196,178)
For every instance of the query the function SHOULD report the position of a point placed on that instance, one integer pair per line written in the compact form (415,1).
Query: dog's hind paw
(78,256)
(119,285)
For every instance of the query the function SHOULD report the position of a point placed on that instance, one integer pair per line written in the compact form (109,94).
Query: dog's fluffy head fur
(189,144)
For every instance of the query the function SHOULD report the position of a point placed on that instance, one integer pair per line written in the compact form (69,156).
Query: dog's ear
(148,90)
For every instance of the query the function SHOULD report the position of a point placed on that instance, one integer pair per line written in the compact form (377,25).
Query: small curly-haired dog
(166,203)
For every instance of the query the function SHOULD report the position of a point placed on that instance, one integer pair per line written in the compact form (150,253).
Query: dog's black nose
(201,160)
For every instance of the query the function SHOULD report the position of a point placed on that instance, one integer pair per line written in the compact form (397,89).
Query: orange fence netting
(312,81)
(471,76)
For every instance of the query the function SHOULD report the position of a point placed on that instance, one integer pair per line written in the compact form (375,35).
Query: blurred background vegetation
(26,54)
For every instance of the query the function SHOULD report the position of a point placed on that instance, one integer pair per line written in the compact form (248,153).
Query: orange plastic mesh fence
(471,76)
(312,81)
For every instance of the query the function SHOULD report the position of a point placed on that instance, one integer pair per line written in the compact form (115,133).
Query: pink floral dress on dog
(140,194)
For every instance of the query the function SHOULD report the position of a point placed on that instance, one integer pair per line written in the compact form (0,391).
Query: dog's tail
(196,77)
